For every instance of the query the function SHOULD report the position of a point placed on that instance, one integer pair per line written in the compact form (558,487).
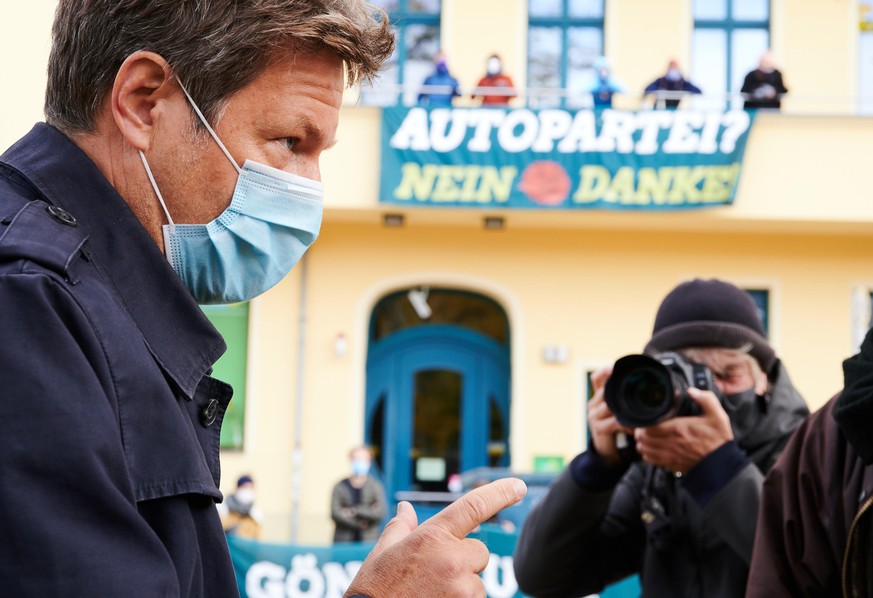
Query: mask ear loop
(208,128)
(155,187)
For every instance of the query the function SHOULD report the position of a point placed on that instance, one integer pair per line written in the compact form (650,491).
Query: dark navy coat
(109,422)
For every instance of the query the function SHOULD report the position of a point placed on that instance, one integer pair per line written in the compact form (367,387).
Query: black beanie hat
(710,313)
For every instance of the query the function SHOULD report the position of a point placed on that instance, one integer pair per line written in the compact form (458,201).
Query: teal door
(437,405)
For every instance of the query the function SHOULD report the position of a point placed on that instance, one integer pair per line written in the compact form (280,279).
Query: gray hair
(216,47)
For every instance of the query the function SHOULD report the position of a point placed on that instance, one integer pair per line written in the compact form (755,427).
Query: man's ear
(142,84)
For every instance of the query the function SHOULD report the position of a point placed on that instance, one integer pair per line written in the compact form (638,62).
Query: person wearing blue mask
(440,88)
(357,503)
(604,85)
(178,164)
(671,87)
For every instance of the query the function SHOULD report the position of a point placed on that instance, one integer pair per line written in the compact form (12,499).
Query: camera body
(644,390)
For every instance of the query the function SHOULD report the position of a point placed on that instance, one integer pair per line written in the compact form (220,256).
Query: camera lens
(640,391)
(645,391)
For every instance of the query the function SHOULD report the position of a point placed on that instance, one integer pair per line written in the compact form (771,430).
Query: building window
(565,38)
(417,23)
(762,303)
(865,57)
(729,38)
(232,321)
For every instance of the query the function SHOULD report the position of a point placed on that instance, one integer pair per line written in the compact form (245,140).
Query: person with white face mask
(239,514)
(357,504)
(496,87)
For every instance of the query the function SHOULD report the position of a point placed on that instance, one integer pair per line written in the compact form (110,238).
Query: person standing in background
(671,87)
(763,87)
(440,88)
(496,78)
(357,504)
(239,515)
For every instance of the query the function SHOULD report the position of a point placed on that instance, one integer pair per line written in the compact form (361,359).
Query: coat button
(209,413)
(61,215)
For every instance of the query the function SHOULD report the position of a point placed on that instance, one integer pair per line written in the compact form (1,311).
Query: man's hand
(601,420)
(435,558)
(679,443)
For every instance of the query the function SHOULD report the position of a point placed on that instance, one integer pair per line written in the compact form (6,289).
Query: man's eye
(289,143)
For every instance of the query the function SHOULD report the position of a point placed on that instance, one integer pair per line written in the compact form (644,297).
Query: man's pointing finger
(465,514)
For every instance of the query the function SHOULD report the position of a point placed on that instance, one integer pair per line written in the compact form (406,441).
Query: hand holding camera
(602,423)
(673,406)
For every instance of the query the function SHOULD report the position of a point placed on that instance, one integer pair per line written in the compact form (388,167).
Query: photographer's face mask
(744,409)
(272,219)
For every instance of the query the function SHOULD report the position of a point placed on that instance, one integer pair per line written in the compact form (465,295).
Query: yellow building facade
(577,288)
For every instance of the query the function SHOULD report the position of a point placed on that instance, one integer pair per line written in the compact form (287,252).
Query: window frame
(401,18)
(565,22)
(729,25)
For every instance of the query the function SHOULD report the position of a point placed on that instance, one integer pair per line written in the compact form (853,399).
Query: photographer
(674,501)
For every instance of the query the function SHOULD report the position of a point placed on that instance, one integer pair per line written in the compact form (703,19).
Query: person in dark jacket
(815,524)
(671,87)
(763,87)
(440,88)
(357,503)
(178,165)
(678,511)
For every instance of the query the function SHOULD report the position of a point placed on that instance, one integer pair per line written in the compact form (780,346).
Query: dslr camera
(644,390)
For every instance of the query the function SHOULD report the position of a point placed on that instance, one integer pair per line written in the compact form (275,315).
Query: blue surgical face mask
(272,219)
(360,467)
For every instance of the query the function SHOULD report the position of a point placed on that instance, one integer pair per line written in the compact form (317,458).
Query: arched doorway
(438,380)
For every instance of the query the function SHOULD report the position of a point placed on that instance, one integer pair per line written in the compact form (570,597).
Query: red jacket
(498,80)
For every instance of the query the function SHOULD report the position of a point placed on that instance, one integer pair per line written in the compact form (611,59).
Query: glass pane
(431,7)
(747,45)
(377,433)
(710,10)
(762,306)
(546,8)
(865,72)
(422,42)
(384,89)
(545,48)
(585,46)
(497,441)
(709,67)
(436,439)
(475,312)
(387,5)
(586,9)
(750,10)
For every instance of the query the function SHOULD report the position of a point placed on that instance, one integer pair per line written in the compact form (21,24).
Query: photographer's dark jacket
(109,452)
(688,537)
(816,531)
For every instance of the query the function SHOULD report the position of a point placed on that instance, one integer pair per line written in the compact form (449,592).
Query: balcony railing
(551,97)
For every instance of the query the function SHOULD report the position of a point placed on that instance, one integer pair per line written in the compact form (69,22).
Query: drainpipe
(297,455)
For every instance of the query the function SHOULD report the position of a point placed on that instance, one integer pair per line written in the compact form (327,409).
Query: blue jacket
(444,88)
(109,449)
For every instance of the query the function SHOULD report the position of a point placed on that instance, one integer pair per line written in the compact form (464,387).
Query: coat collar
(176,331)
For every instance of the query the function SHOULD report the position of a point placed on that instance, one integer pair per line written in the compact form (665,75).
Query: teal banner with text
(561,159)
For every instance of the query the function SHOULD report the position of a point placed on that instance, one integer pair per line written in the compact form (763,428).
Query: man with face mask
(440,88)
(495,78)
(178,164)
(677,504)
(669,88)
(357,503)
